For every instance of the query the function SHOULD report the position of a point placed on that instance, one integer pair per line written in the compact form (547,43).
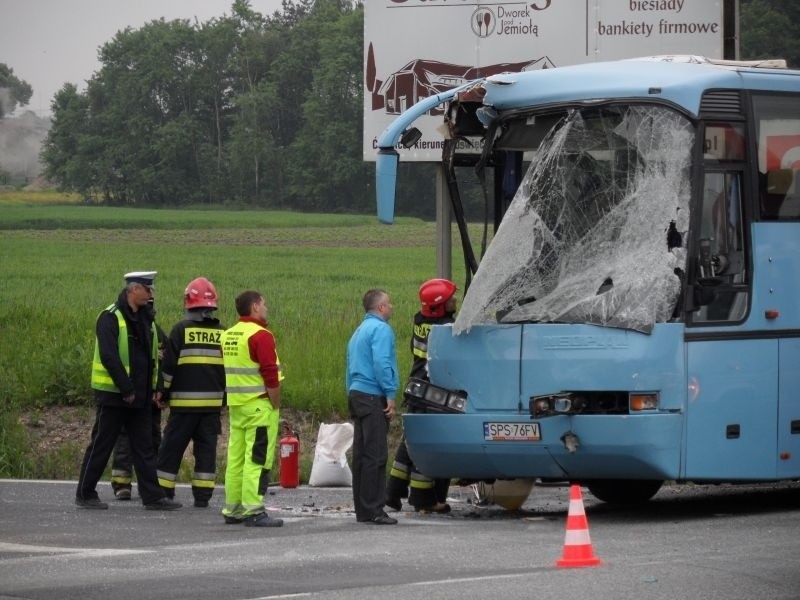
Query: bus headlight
(556,404)
(421,393)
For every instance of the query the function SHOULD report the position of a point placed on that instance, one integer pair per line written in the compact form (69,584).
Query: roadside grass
(25,215)
(22,196)
(312,270)
(14,460)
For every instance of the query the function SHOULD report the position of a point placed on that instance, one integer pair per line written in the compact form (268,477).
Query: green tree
(255,164)
(13,91)
(769,30)
(149,105)
(67,152)
(327,171)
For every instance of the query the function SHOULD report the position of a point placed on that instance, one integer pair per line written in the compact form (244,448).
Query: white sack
(330,466)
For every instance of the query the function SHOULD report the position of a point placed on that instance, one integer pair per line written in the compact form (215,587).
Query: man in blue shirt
(372,384)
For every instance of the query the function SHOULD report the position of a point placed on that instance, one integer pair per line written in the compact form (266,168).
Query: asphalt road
(710,542)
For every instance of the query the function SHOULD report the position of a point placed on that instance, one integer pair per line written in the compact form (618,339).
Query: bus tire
(624,491)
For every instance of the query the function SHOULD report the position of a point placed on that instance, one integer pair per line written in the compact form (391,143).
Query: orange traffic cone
(577,545)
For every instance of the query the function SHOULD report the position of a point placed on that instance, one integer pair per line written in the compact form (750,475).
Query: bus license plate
(511,432)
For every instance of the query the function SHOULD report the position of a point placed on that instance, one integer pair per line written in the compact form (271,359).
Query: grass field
(53,282)
(62,263)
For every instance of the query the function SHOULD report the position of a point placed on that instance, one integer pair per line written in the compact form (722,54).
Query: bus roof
(682,83)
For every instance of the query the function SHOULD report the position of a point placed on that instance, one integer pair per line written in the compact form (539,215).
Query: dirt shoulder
(58,435)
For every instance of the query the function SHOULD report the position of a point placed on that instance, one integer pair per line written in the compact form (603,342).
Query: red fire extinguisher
(290,459)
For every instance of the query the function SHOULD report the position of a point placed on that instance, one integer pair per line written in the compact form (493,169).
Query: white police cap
(143,277)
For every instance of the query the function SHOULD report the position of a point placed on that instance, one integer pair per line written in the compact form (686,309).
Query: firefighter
(194,381)
(426,495)
(252,383)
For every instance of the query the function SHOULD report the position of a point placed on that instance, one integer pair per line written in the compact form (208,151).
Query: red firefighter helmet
(200,293)
(433,294)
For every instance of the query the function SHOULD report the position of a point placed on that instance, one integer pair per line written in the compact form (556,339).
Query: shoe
(383,519)
(262,520)
(233,520)
(123,494)
(91,503)
(439,508)
(394,503)
(163,504)
(201,503)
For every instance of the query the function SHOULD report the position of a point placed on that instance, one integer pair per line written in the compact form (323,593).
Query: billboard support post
(444,250)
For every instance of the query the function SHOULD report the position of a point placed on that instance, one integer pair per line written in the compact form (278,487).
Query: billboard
(414,49)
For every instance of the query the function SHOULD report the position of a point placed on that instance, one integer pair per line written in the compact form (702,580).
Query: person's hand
(157,400)
(129,398)
(389,410)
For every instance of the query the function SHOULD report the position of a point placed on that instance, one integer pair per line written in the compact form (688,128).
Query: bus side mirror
(386,183)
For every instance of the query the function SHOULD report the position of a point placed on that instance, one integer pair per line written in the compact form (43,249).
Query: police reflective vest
(243,380)
(101,378)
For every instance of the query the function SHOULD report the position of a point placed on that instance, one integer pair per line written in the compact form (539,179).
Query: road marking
(300,595)
(469,579)
(83,552)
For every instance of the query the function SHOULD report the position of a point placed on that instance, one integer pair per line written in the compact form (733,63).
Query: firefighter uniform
(438,307)
(194,380)
(253,418)
(404,479)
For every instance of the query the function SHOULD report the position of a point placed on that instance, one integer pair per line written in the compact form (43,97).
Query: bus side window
(722,225)
(720,257)
(773,189)
(777,118)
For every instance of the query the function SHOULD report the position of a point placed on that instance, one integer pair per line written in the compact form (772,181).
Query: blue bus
(636,316)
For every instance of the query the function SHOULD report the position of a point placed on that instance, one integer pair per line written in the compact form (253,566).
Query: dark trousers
(370,451)
(122,457)
(202,429)
(108,423)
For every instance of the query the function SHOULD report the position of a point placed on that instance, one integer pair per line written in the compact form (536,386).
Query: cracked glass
(596,232)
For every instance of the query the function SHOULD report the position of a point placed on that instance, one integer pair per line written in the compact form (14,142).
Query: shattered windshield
(598,226)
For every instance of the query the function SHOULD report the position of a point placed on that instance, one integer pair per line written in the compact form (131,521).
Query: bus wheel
(624,491)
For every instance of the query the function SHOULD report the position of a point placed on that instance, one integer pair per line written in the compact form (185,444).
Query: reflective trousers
(251,450)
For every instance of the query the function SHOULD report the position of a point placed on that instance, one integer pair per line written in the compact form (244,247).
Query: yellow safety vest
(243,380)
(101,378)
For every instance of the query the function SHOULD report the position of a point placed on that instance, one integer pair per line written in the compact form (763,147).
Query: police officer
(194,382)
(252,383)
(125,383)
(122,458)
(427,495)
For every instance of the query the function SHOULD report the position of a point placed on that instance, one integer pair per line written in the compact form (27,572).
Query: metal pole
(444,250)
(730,40)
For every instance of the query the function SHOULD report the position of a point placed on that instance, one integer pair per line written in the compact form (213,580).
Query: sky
(51,42)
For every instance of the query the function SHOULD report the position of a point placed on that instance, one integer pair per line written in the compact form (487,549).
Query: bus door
(732,370)
(776,248)
(789,414)
(775,304)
